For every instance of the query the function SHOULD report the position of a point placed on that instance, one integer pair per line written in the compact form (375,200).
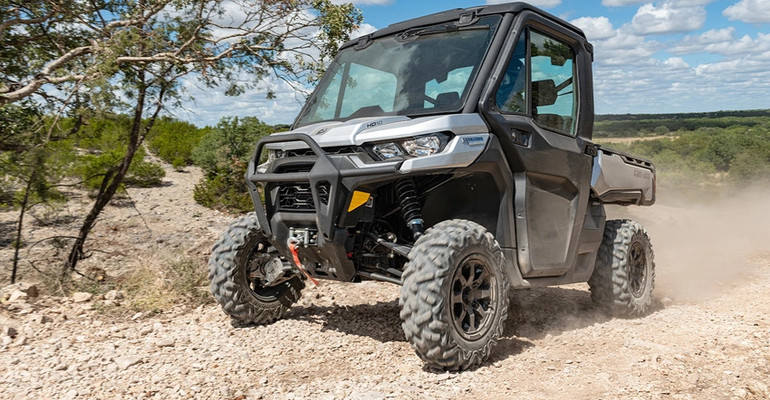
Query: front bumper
(331,180)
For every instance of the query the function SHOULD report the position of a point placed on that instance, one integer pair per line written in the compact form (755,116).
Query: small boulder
(41,319)
(127,361)
(113,295)
(10,331)
(27,288)
(81,297)
(17,295)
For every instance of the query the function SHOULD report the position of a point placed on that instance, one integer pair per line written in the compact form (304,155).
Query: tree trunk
(114,178)
(111,182)
(17,244)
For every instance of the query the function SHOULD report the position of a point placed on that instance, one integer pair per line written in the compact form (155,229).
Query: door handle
(520,138)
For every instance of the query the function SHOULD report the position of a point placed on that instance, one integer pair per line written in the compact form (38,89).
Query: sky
(650,57)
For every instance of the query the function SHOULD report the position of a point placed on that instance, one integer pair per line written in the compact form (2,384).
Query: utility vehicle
(450,154)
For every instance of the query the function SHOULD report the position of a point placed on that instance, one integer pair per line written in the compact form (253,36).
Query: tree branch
(45,76)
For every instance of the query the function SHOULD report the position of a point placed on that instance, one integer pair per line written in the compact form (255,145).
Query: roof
(453,15)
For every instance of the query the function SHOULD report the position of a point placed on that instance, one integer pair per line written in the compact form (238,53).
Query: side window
(511,96)
(371,88)
(554,101)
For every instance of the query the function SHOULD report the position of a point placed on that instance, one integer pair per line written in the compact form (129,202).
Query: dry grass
(157,288)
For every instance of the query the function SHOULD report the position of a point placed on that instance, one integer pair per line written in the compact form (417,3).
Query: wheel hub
(473,297)
(257,276)
(637,269)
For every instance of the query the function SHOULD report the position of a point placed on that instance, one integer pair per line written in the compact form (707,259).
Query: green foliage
(735,153)
(18,124)
(223,154)
(225,190)
(29,161)
(661,124)
(144,174)
(173,141)
(92,168)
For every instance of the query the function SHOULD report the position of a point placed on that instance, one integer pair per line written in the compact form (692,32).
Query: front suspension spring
(410,207)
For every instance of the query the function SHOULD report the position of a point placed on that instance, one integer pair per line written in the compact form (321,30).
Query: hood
(358,131)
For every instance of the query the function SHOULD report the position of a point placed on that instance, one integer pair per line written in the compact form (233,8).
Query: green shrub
(92,168)
(750,165)
(144,174)
(223,154)
(173,141)
(225,191)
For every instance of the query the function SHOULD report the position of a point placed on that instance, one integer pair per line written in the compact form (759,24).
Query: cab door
(535,105)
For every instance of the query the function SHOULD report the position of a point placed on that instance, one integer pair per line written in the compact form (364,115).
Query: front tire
(454,298)
(240,250)
(624,274)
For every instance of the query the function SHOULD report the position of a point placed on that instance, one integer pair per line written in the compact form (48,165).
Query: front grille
(289,168)
(295,197)
(328,150)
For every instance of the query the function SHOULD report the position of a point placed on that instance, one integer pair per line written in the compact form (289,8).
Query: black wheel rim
(259,255)
(637,269)
(473,297)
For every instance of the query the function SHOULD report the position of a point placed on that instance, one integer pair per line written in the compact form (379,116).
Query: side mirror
(544,92)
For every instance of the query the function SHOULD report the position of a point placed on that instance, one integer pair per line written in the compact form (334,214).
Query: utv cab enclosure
(450,154)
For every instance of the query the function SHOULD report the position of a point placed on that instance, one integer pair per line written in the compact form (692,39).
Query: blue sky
(650,56)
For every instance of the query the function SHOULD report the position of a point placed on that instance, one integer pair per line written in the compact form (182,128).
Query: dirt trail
(708,337)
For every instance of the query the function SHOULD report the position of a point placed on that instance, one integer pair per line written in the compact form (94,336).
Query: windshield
(424,70)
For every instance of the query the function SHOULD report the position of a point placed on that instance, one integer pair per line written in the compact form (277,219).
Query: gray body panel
(618,178)
(356,132)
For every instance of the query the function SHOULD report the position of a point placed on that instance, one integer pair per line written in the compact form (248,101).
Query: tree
(223,154)
(130,54)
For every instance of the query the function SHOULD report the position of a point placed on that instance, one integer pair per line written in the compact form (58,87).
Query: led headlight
(412,147)
(422,146)
(387,150)
(274,154)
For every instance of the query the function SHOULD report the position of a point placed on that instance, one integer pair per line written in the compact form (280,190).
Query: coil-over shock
(410,207)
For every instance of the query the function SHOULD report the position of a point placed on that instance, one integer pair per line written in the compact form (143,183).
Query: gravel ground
(708,336)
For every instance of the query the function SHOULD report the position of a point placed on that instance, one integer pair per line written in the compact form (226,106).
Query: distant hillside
(635,125)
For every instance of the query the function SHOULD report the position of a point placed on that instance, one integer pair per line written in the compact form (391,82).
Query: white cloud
(362,30)
(751,11)
(209,105)
(595,28)
(676,62)
(722,42)
(616,46)
(667,18)
(536,3)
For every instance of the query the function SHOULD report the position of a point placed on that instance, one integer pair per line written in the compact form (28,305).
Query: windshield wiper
(436,29)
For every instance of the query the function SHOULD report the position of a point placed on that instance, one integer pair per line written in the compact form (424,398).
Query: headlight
(387,150)
(412,147)
(274,154)
(424,146)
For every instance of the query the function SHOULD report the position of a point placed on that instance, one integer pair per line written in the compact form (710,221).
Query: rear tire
(454,298)
(624,275)
(241,247)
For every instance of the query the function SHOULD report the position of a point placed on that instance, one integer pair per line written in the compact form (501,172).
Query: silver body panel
(471,137)
(617,178)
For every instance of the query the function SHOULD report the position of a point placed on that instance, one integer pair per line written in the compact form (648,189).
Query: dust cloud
(705,240)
